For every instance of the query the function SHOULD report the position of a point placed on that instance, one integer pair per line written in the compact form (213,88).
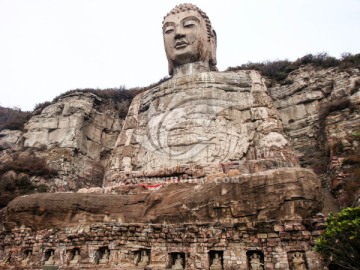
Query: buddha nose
(179,33)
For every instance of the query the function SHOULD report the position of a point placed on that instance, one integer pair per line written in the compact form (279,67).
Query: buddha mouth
(180,44)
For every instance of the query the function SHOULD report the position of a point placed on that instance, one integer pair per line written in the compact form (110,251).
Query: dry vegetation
(15,176)
(13,119)
(278,71)
(121,96)
(28,164)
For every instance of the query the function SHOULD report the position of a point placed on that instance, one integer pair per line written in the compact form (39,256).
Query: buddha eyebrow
(168,24)
(190,18)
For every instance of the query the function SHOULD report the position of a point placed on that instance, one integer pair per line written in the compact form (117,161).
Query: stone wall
(274,241)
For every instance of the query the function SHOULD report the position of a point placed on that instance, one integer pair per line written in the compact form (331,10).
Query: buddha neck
(191,68)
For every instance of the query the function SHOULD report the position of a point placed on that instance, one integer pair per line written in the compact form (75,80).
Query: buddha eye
(189,24)
(169,30)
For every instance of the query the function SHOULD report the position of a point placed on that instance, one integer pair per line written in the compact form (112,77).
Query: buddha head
(189,38)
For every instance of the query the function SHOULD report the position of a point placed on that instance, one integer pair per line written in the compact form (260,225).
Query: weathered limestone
(73,122)
(255,263)
(144,259)
(320,110)
(50,260)
(298,261)
(178,264)
(26,261)
(10,139)
(304,107)
(216,263)
(105,257)
(199,120)
(75,135)
(76,258)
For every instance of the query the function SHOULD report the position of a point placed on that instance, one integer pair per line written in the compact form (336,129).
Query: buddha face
(186,39)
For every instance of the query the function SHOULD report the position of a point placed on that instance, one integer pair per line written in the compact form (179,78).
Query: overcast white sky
(48,47)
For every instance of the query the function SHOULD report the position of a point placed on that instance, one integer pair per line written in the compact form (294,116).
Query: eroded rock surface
(249,197)
(10,139)
(75,135)
(320,110)
(315,101)
(277,242)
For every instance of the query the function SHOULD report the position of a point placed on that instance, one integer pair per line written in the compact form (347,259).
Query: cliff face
(75,135)
(252,205)
(309,105)
(319,109)
(216,135)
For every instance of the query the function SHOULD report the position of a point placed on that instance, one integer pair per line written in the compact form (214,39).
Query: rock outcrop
(10,139)
(307,104)
(320,111)
(75,135)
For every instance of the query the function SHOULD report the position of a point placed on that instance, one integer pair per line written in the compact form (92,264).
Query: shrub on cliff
(40,106)
(13,119)
(279,70)
(30,165)
(276,70)
(15,177)
(340,243)
(349,60)
(121,97)
(319,60)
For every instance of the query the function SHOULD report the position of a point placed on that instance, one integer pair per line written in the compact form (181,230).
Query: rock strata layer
(249,197)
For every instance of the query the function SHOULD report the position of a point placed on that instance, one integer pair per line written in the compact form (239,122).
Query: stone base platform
(234,222)
(284,193)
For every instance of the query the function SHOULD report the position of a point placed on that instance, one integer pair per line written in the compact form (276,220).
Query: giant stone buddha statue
(208,126)
(218,129)
(201,121)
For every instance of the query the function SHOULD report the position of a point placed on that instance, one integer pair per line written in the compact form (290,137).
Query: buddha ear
(213,44)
